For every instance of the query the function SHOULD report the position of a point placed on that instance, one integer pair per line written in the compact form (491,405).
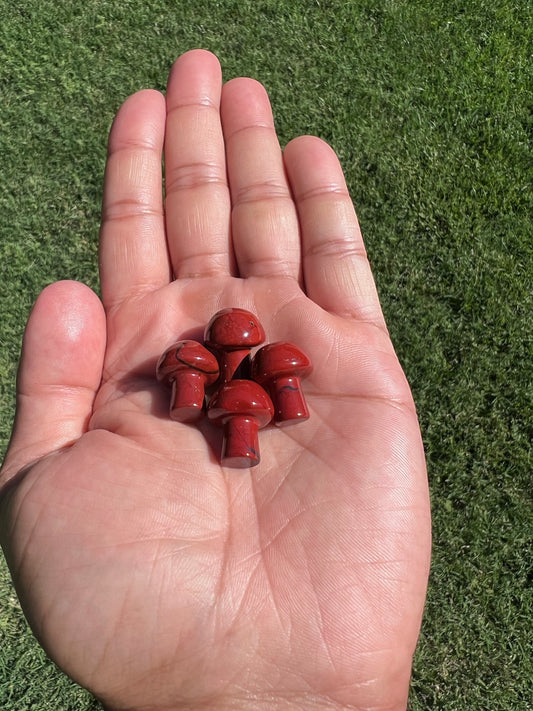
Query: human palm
(152,575)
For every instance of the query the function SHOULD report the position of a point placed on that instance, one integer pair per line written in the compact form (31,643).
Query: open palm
(152,575)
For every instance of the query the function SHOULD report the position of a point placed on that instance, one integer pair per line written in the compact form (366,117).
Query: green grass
(428,104)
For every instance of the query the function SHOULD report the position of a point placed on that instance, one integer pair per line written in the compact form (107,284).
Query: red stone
(278,367)
(232,333)
(241,407)
(188,367)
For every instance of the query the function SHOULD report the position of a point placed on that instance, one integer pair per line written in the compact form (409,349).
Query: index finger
(133,250)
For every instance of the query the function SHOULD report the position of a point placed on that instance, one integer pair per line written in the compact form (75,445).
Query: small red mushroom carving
(241,407)
(279,367)
(188,367)
(232,333)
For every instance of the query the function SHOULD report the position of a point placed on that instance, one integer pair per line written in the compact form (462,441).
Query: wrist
(265,703)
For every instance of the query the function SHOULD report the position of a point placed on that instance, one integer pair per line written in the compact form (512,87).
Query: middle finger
(197,195)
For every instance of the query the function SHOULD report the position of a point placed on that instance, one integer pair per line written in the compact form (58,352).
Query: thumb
(59,373)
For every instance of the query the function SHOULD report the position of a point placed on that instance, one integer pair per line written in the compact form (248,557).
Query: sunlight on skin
(150,574)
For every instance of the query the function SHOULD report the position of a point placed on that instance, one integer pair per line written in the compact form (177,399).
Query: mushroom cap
(279,359)
(187,355)
(232,329)
(241,397)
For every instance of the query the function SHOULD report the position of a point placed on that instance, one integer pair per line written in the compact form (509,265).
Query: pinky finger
(336,270)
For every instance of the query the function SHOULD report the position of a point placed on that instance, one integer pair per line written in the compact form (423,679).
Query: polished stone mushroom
(241,407)
(231,334)
(278,367)
(189,368)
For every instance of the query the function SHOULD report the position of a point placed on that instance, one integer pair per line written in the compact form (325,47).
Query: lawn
(428,104)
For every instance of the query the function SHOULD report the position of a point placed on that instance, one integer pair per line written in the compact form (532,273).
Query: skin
(151,575)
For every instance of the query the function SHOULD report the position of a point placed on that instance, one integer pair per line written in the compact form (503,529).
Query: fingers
(133,251)
(337,274)
(287,215)
(59,373)
(197,196)
(264,220)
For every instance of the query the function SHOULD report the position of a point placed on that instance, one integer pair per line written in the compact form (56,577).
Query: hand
(151,575)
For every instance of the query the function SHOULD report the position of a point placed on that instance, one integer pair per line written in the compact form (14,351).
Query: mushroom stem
(188,367)
(187,399)
(232,361)
(288,399)
(240,447)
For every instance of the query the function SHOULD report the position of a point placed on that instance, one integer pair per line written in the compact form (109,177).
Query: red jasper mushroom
(232,333)
(278,367)
(188,367)
(241,407)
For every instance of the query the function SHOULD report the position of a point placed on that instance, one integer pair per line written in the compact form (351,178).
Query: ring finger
(264,221)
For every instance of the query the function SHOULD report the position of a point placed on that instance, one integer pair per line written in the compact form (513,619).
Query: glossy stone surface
(234,328)
(278,367)
(241,407)
(188,367)
(232,333)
